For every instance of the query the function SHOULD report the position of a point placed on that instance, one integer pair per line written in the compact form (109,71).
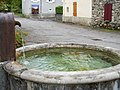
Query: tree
(3,6)
(16,5)
(11,5)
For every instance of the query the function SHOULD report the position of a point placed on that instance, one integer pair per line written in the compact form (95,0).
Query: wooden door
(74,8)
(108,12)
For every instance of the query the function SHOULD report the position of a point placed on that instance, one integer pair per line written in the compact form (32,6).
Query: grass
(20,15)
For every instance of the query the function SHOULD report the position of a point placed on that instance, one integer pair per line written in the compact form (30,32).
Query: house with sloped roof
(40,8)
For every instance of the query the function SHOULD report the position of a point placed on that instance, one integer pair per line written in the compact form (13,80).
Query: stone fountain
(17,76)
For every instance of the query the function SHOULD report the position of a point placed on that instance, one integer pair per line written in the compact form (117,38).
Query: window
(50,1)
(117,0)
(67,9)
(35,0)
(35,9)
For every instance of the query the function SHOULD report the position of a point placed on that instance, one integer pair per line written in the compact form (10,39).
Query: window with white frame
(50,1)
(117,0)
(35,0)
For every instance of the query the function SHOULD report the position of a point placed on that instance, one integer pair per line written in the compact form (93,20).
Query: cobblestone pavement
(47,31)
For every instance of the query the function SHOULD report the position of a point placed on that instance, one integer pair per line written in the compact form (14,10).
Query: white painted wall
(69,4)
(46,7)
(49,7)
(84,11)
(84,8)
(26,7)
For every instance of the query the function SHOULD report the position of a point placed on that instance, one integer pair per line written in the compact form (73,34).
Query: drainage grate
(97,39)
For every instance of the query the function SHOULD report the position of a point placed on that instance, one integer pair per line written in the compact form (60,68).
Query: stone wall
(42,16)
(20,84)
(4,83)
(58,17)
(21,78)
(98,14)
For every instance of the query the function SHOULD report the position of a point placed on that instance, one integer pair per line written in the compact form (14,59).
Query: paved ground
(45,31)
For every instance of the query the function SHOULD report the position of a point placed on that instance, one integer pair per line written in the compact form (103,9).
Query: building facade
(40,8)
(106,13)
(77,11)
(92,12)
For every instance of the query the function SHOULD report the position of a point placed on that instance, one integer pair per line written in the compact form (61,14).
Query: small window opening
(67,9)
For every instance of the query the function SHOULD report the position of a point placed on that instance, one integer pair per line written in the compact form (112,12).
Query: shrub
(19,41)
(3,7)
(11,6)
(59,10)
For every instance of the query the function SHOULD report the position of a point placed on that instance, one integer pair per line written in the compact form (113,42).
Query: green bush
(59,10)
(3,7)
(11,6)
(19,41)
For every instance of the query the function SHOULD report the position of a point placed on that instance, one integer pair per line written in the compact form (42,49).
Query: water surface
(67,59)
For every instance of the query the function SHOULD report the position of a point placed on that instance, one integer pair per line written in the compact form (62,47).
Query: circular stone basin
(66,65)
(67,59)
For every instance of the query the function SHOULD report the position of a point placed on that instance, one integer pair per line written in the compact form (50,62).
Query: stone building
(40,8)
(101,13)
(106,13)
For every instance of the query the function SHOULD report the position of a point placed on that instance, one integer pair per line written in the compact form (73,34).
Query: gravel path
(46,31)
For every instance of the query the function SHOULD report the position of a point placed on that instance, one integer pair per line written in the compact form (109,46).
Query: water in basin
(67,59)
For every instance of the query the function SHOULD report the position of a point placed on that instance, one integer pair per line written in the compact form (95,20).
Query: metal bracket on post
(7,37)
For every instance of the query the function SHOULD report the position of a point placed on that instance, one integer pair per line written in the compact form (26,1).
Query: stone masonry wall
(98,14)
(4,83)
(20,84)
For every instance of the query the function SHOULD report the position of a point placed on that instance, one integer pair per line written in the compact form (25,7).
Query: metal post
(7,37)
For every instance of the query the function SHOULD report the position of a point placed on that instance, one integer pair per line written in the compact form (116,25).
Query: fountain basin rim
(59,77)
